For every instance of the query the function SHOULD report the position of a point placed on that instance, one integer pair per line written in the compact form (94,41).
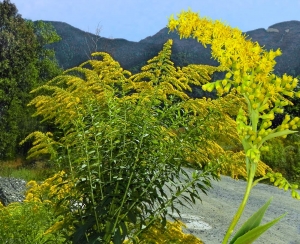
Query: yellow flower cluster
(248,72)
(248,69)
(52,189)
(171,234)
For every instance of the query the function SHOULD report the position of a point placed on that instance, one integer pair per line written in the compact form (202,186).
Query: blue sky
(137,19)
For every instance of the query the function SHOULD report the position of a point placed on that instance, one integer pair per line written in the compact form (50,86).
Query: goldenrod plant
(248,69)
(29,221)
(216,135)
(123,136)
(119,145)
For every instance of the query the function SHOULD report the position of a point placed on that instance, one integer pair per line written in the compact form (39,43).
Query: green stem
(242,205)
(107,237)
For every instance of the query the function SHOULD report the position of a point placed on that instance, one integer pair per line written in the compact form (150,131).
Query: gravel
(210,219)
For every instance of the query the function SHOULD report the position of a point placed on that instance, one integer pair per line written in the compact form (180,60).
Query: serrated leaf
(252,222)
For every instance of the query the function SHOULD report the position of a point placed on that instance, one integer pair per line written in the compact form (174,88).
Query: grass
(20,169)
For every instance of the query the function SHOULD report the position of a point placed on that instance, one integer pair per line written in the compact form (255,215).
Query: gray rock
(272,30)
(12,190)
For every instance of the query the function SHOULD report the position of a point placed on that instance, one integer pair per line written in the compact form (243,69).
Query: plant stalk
(242,205)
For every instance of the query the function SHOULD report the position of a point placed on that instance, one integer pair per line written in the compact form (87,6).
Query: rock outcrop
(12,190)
(286,36)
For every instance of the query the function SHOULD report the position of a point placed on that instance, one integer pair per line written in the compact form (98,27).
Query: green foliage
(26,223)
(284,156)
(123,140)
(118,142)
(24,64)
(39,171)
(294,109)
(38,220)
(251,229)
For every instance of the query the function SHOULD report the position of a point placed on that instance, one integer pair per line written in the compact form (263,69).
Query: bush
(118,141)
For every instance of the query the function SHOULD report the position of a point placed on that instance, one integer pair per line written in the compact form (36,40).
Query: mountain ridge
(76,46)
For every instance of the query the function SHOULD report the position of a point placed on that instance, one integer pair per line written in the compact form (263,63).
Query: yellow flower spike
(208,87)
(218,84)
(228,76)
(270,122)
(252,138)
(227,87)
(257,49)
(251,97)
(269,116)
(292,122)
(287,93)
(249,90)
(263,107)
(236,74)
(253,85)
(263,90)
(261,98)
(278,81)
(258,140)
(283,103)
(224,82)
(257,93)
(278,52)
(232,49)
(294,127)
(285,78)
(262,132)
(264,125)
(255,106)
(294,83)
(279,110)
(288,86)
(286,118)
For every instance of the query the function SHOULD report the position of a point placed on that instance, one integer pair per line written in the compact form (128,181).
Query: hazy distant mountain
(76,45)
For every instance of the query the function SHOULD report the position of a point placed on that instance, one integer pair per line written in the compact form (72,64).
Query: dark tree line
(25,63)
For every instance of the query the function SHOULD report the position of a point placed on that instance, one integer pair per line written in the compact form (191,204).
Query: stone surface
(11,190)
(210,218)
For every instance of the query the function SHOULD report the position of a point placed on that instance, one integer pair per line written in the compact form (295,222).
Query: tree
(23,65)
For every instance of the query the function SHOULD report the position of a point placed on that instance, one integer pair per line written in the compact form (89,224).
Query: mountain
(76,46)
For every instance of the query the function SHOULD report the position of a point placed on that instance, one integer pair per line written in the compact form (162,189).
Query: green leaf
(253,234)
(252,222)
(276,134)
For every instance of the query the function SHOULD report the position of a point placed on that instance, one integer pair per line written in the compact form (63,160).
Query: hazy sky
(136,19)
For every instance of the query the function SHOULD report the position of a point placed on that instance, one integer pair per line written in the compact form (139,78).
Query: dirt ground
(210,219)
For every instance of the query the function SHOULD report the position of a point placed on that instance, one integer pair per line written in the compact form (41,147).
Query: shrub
(119,145)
